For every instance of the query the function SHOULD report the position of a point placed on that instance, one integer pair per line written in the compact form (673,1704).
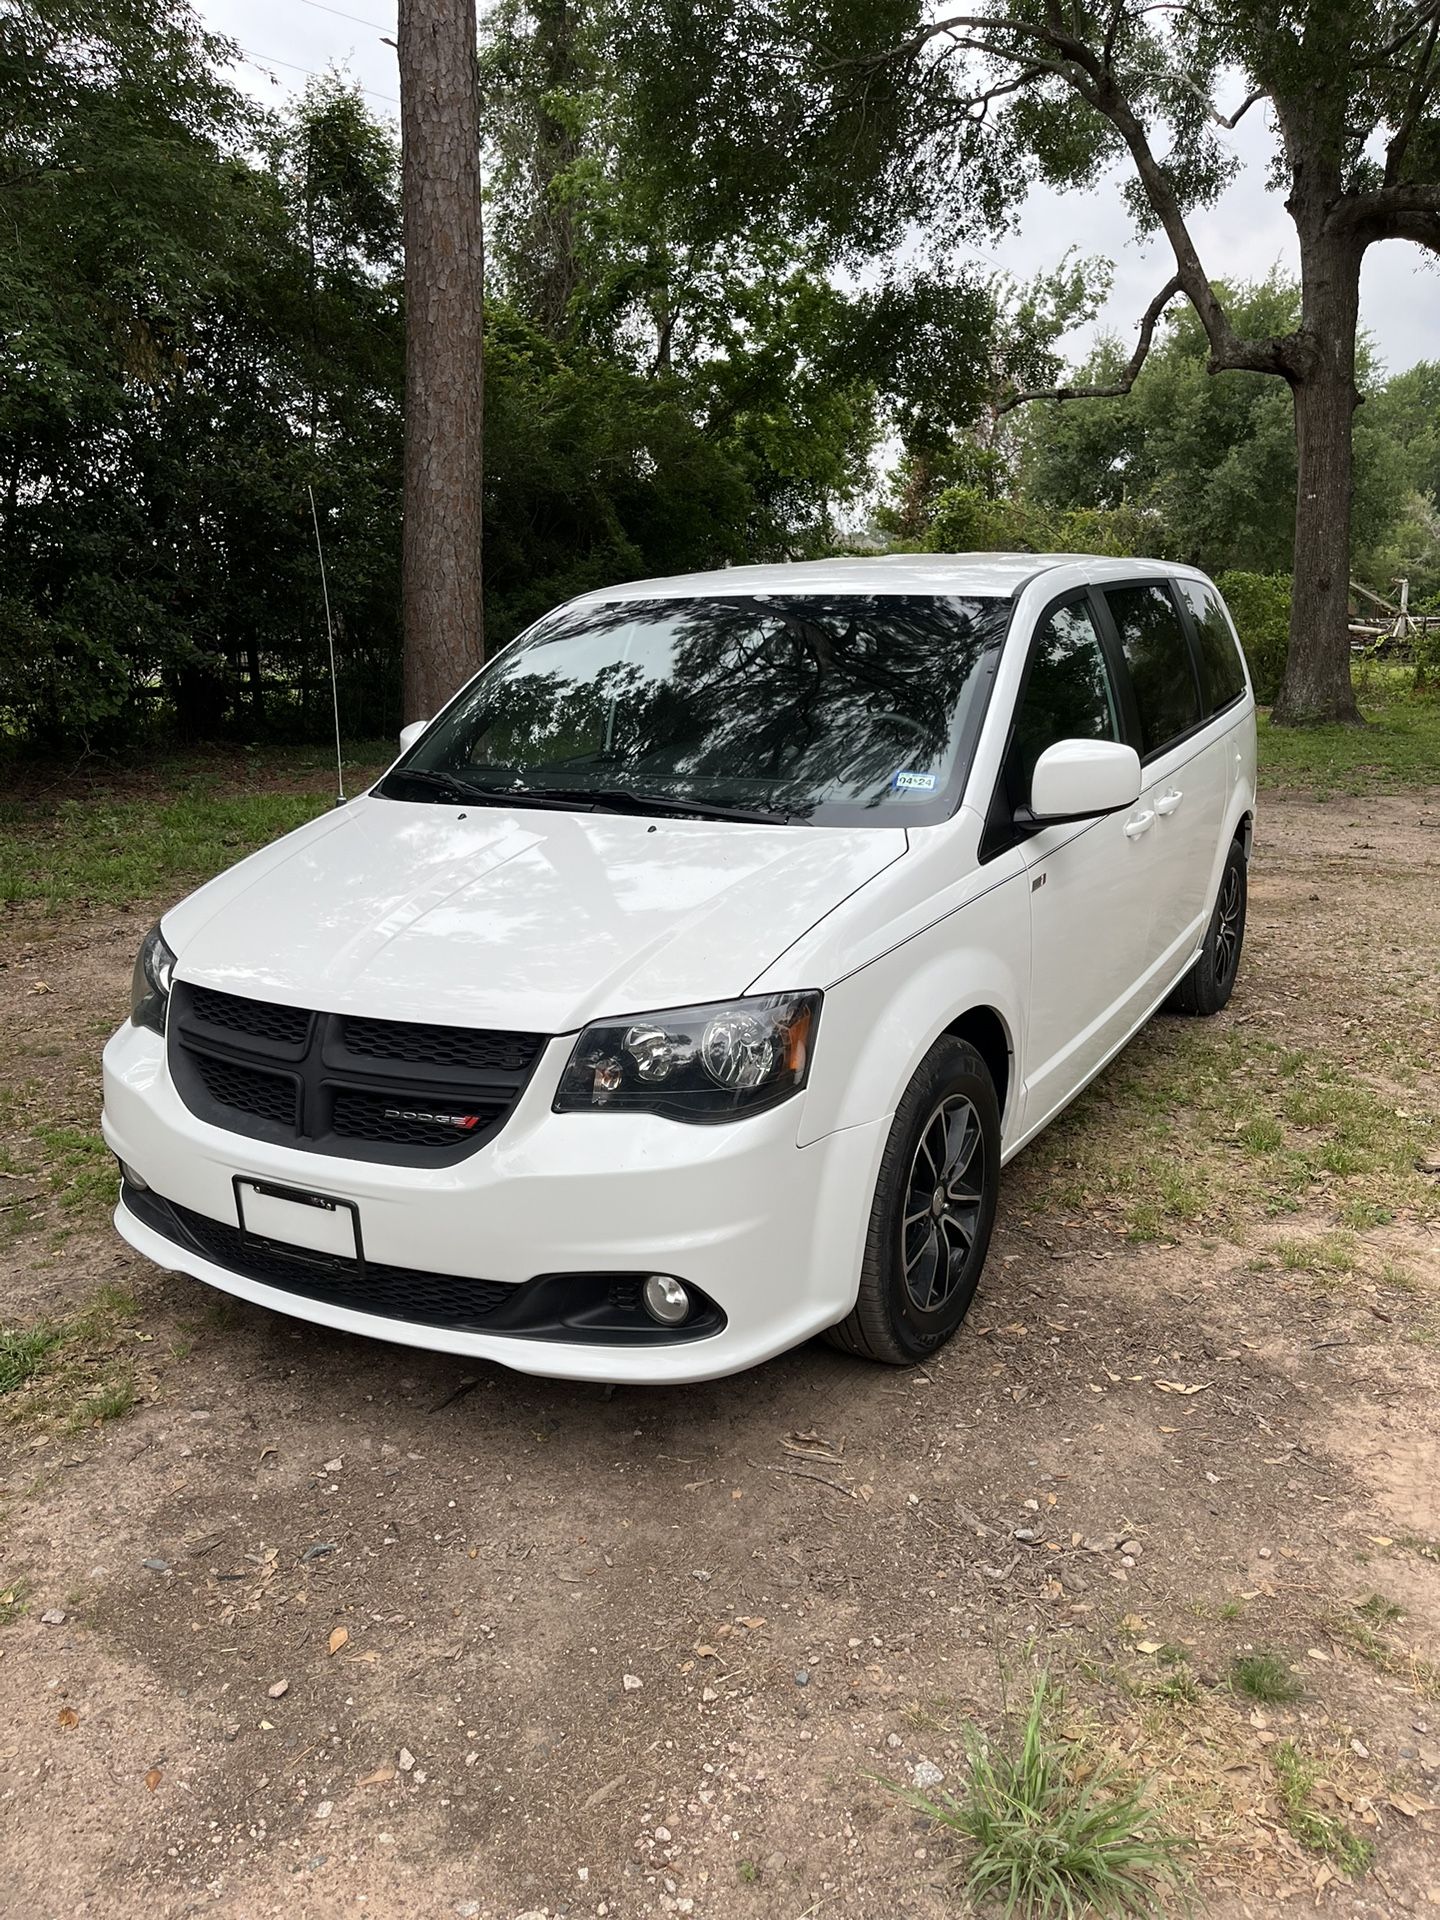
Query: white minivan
(681,990)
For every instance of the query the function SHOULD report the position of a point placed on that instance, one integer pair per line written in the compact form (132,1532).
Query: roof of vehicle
(980,574)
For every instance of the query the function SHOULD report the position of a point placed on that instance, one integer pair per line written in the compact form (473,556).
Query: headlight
(150,984)
(694,1063)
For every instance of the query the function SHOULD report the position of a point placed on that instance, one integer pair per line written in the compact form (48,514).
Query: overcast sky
(1240,238)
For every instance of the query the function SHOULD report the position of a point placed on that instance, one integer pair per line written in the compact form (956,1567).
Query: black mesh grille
(261,1019)
(389,1090)
(368,1116)
(264,1096)
(461,1047)
(399,1293)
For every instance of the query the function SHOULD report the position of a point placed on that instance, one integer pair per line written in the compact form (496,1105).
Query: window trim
(1192,626)
(1137,740)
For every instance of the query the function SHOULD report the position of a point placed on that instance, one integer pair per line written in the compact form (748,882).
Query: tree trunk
(1317,689)
(444,297)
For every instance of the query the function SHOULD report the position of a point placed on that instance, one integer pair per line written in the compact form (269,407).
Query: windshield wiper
(631,800)
(454,787)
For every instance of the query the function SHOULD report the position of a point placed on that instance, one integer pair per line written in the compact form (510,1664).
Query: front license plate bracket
(320,1227)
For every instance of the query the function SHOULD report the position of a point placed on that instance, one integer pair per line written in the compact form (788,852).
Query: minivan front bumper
(771,1232)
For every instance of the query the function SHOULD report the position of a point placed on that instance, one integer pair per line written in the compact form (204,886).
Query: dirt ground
(633,1652)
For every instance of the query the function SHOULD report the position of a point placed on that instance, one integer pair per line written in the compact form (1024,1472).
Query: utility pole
(442,610)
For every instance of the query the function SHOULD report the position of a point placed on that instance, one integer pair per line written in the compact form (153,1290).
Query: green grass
(1296,1778)
(1265,1677)
(1400,747)
(123,836)
(1199,1124)
(1045,1842)
(1356,1630)
(54,1364)
(24,1352)
(14,1599)
(80,1168)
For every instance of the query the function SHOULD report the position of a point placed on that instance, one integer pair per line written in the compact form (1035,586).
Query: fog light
(665,1300)
(133,1179)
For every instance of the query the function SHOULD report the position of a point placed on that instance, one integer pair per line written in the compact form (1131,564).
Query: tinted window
(1220,667)
(1068,695)
(1158,656)
(844,710)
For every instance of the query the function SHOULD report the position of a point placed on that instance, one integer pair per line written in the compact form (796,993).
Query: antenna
(330,635)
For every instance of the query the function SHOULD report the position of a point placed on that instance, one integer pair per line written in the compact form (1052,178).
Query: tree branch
(1422,84)
(1117,388)
(1379,215)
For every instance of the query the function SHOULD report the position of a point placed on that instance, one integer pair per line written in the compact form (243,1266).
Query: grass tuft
(1045,1841)
(23,1352)
(1296,1779)
(1265,1677)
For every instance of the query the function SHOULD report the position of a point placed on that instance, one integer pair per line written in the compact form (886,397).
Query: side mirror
(409,735)
(1076,779)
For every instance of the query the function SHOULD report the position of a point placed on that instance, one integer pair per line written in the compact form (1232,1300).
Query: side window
(1157,653)
(1068,695)
(1220,667)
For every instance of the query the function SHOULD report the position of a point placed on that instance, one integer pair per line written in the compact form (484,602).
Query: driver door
(1089,879)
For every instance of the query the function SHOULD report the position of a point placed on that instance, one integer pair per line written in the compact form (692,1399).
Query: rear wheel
(1208,985)
(932,1214)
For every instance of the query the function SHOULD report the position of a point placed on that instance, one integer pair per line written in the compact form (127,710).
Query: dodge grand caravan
(680,991)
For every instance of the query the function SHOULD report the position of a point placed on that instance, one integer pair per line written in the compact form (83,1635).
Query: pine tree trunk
(444,302)
(1317,689)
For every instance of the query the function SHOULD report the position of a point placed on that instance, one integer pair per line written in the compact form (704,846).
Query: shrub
(1259,603)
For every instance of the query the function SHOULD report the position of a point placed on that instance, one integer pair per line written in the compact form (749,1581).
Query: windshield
(846,710)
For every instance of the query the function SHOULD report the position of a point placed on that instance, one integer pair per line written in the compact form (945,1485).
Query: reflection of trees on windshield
(799,702)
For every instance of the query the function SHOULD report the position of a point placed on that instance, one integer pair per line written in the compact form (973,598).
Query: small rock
(632,1682)
(333,1466)
(802,1676)
(662,1833)
(925,1774)
(406,1760)
(53,1617)
(324,1810)
(707,1694)
(699,1573)
(1132,1547)
(278,1689)
(466,1909)
(1359,1746)
(318,1551)
(231,1729)
(156,1564)
(1264,1553)
(893,1740)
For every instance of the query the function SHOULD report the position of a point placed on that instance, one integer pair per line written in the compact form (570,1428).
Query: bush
(1259,603)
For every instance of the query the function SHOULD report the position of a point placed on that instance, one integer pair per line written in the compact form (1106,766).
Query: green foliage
(1265,1677)
(1047,1837)
(1296,1779)
(1259,604)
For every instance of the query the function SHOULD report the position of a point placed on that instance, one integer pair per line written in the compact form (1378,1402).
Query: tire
(949,1109)
(1208,985)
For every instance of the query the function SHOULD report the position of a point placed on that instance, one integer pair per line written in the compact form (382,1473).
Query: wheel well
(985,1031)
(1245,834)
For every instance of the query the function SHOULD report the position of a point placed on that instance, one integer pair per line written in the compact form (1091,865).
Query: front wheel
(1208,985)
(932,1214)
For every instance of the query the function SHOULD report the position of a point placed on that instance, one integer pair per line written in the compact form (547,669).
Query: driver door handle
(1168,802)
(1140,824)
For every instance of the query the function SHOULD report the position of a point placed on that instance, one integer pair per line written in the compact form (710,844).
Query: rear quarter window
(1221,669)
(1162,668)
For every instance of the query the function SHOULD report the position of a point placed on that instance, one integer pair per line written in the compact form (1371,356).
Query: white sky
(1245,234)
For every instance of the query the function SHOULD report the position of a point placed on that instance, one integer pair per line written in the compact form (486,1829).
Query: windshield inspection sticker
(914,782)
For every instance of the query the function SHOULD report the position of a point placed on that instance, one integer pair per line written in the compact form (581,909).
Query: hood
(531,920)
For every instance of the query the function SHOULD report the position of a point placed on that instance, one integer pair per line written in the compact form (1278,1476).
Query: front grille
(400,1091)
(454,1047)
(398,1293)
(259,1019)
(249,1090)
